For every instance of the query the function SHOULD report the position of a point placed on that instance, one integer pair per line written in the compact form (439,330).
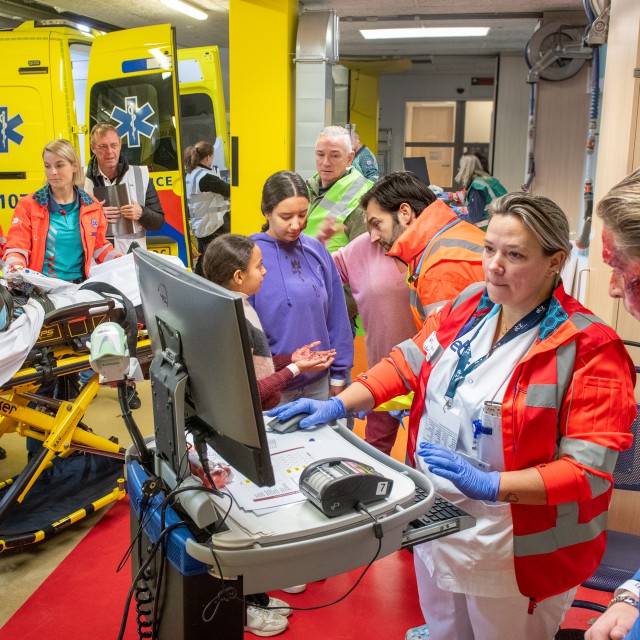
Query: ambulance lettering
(132,121)
(8,128)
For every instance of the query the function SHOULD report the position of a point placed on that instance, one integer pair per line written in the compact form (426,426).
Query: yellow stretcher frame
(60,429)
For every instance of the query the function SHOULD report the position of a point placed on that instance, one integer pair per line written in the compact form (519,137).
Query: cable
(379,534)
(141,571)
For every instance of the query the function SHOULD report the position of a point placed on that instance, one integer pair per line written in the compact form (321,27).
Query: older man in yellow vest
(335,190)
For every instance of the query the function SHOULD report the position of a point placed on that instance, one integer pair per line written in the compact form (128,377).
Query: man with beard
(442,252)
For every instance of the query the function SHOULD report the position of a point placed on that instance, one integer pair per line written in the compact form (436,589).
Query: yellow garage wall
(363,107)
(261,49)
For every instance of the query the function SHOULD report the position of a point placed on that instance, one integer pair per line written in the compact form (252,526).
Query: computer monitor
(202,370)
(418,166)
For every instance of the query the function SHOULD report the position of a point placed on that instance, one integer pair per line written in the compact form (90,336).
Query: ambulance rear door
(133,84)
(202,106)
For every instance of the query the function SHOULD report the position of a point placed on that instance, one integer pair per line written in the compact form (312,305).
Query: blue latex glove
(361,415)
(475,484)
(319,411)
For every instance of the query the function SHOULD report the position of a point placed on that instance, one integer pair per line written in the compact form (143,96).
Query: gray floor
(23,572)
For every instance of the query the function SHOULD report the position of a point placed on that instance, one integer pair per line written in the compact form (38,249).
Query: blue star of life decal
(133,121)
(8,129)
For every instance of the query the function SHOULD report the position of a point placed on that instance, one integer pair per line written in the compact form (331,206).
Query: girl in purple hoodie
(302,301)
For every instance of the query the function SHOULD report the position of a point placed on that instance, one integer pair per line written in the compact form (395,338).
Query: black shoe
(134,401)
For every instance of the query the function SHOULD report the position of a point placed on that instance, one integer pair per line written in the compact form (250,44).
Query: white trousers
(459,616)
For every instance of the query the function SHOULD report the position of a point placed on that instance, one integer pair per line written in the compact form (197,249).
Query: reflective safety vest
(444,256)
(206,209)
(342,198)
(566,412)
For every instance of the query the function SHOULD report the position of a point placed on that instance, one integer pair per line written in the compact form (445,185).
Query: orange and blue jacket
(27,236)
(444,255)
(566,412)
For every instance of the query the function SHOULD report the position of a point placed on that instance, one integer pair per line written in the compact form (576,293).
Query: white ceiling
(511,22)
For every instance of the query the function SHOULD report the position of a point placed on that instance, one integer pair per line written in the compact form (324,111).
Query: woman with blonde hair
(479,189)
(60,230)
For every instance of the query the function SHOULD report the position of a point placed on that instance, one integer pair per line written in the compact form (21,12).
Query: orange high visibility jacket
(27,236)
(566,412)
(443,260)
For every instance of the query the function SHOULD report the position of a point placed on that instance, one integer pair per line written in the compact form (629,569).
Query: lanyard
(414,276)
(464,367)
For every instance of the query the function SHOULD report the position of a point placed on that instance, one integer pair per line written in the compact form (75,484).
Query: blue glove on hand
(361,415)
(319,411)
(475,484)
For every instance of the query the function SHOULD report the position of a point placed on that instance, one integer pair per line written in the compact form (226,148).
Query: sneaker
(418,633)
(262,622)
(280,607)
(297,589)
(134,401)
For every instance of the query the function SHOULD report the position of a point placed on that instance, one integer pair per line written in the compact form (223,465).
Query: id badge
(442,427)
(430,346)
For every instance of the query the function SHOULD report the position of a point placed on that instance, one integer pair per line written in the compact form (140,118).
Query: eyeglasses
(114,146)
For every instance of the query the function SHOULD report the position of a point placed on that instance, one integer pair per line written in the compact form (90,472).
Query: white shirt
(478,561)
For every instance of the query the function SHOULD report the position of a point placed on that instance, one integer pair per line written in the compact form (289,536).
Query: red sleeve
(280,361)
(269,387)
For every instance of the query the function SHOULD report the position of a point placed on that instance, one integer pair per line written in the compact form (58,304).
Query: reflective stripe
(423,311)
(109,255)
(583,320)
(327,204)
(589,454)
(412,355)
(597,484)
(469,292)
(414,302)
(566,533)
(542,396)
(455,243)
(406,382)
(565,361)
(10,260)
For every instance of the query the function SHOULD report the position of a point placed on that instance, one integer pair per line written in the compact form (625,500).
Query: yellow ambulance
(57,81)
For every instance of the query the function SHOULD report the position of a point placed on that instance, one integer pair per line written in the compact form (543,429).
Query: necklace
(503,327)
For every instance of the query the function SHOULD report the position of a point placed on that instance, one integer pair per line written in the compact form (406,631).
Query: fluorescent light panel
(424,32)
(187,9)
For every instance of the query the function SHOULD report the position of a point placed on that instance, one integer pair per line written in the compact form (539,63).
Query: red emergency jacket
(443,260)
(566,411)
(27,236)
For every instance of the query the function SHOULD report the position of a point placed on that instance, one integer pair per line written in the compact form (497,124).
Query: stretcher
(56,344)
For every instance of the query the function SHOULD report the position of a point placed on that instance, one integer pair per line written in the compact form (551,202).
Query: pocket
(597,405)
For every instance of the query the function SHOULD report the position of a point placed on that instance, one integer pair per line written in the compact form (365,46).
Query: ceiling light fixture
(424,32)
(187,9)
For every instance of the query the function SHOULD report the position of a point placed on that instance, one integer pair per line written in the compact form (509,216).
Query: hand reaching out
(306,353)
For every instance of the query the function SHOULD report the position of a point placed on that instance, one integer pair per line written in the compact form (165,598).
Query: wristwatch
(626,599)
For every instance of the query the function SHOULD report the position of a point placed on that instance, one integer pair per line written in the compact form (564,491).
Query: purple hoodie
(301,300)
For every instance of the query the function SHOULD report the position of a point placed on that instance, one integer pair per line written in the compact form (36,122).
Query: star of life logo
(8,128)
(132,121)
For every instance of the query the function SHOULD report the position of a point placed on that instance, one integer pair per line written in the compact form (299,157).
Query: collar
(417,235)
(54,206)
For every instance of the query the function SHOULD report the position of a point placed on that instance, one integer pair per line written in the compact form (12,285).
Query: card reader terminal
(337,485)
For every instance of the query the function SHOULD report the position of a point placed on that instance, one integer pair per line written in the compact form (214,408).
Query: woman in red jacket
(60,229)
(523,399)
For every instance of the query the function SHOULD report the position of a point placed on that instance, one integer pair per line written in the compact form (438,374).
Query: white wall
(511,118)
(396,90)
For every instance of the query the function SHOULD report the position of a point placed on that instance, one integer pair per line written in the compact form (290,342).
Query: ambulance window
(80,66)
(196,119)
(142,110)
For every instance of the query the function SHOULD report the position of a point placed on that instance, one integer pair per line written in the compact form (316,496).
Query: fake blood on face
(625,279)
